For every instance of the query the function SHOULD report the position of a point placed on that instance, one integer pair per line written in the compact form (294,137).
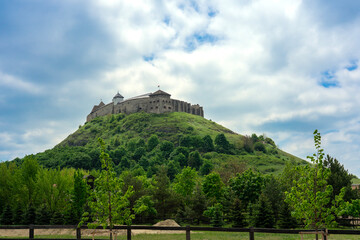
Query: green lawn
(217,236)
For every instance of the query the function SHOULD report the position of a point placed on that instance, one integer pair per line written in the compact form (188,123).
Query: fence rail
(186,229)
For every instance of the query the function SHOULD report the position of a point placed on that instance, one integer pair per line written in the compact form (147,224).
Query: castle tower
(117,98)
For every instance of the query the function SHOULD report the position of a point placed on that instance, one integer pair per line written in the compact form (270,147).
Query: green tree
(339,178)
(264,215)
(152,142)
(43,215)
(310,197)
(18,215)
(195,160)
(6,216)
(215,213)
(285,218)
(247,186)
(30,215)
(259,146)
(237,214)
(222,144)
(164,197)
(145,208)
(28,175)
(213,187)
(109,205)
(166,148)
(78,196)
(206,167)
(185,183)
(208,144)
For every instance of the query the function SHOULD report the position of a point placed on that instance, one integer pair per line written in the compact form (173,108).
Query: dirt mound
(167,223)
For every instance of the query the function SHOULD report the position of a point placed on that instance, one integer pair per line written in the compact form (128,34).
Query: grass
(209,236)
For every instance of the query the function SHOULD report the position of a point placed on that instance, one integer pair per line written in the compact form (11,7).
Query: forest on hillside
(173,182)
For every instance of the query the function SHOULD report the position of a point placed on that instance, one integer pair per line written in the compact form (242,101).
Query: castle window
(151,108)
(169,107)
(156,107)
(158,100)
(164,107)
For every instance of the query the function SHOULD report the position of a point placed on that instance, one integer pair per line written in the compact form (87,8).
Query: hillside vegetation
(174,165)
(128,136)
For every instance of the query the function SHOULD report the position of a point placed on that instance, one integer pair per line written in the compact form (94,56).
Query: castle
(157,102)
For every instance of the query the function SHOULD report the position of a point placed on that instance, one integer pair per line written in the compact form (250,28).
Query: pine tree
(18,216)
(57,218)
(285,218)
(29,215)
(42,216)
(264,215)
(237,214)
(6,216)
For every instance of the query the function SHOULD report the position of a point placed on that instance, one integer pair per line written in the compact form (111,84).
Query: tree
(237,214)
(7,216)
(30,215)
(164,197)
(285,218)
(247,186)
(208,145)
(195,160)
(185,183)
(274,194)
(310,197)
(264,216)
(166,148)
(215,214)
(78,196)
(43,215)
(213,187)
(248,144)
(339,178)
(152,142)
(108,204)
(222,144)
(259,146)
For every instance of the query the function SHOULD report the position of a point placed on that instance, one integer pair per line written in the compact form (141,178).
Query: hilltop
(171,135)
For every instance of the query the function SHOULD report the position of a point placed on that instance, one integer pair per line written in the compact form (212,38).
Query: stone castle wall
(158,102)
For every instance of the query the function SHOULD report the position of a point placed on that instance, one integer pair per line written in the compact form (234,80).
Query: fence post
(251,233)
(325,234)
(31,231)
(187,232)
(128,232)
(78,233)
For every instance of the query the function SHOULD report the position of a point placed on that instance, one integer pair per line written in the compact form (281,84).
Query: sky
(282,68)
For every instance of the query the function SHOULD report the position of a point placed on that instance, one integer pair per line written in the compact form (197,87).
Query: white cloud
(259,70)
(10,81)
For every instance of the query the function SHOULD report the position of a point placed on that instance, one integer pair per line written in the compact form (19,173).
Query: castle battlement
(157,102)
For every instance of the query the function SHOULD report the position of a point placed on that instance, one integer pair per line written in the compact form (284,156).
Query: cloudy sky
(283,68)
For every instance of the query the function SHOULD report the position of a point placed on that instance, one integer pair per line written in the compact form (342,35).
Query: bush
(258,146)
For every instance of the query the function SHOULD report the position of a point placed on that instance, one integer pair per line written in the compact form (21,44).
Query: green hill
(127,137)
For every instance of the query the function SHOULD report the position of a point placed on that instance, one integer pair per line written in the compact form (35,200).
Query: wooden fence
(187,230)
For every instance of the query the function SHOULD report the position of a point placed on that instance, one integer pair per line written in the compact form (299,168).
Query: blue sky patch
(198,39)
(212,13)
(352,66)
(148,58)
(166,20)
(328,79)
